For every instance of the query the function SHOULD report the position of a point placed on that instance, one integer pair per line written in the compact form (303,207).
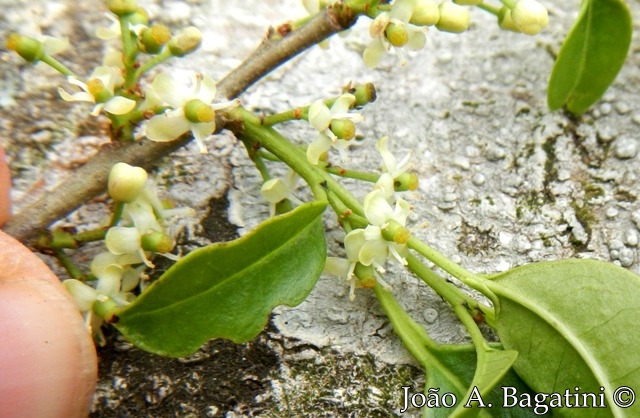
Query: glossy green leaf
(574,324)
(227,290)
(591,56)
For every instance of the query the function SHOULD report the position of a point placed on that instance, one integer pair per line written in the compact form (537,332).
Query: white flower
(336,126)
(276,190)
(126,182)
(192,109)
(392,169)
(100,90)
(392,29)
(529,16)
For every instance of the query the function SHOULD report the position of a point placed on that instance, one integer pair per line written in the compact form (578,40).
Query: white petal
(376,208)
(103,262)
(388,159)
(374,52)
(53,45)
(319,116)
(402,10)
(109,285)
(417,39)
(353,242)
(386,184)
(83,295)
(81,96)
(122,240)
(374,252)
(167,126)
(337,266)
(315,149)
(274,190)
(169,90)
(207,91)
(401,211)
(343,104)
(119,105)
(202,131)
(142,217)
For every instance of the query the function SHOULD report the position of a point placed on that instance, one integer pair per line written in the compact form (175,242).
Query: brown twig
(91,179)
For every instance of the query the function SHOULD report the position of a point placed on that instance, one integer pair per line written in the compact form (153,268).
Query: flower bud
(405,181)
(396,34)
(197,111)
(396,232)
(122,7)
(152,39)
(453,18)
(364,94)
(366,276)
(425,13)
(28,48)
(530,16)
(343,128)
(126,182)
(185,42)
(157,242)
(122,240)
(505,21)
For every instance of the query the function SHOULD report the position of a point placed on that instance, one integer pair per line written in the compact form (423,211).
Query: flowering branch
(91,179)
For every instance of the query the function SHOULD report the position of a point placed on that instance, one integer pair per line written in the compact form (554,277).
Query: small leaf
(227,290)
(574,324)
(591,56)
(461,360)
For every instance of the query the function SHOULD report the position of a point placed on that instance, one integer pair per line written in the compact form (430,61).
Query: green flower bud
(97,89)
(505,21)
(185,42)
(425,13)
(405,181)
(197,111)
(122,7)
(152,39)
(343,128)
(126,182)
(140,17)
(157,242)
(364,93)
(453,18)
(396,232)
(396,34)
(366,276)
(105,308)
(28,48)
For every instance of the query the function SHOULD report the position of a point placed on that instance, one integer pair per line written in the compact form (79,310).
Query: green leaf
(461,360)
(227,290)
(591,56)
(574,324)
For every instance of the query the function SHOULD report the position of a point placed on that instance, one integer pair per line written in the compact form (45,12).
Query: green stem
(352,174)
(494,10)
(414,338)
(460,302)
(163,56)
(118,210)
(72,269)
(443,262)
(129,51)
(57,65)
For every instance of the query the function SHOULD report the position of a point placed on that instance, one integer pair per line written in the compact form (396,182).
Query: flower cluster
(130,244)
(403,26)
(526,16)
(336,126)
(368,248)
